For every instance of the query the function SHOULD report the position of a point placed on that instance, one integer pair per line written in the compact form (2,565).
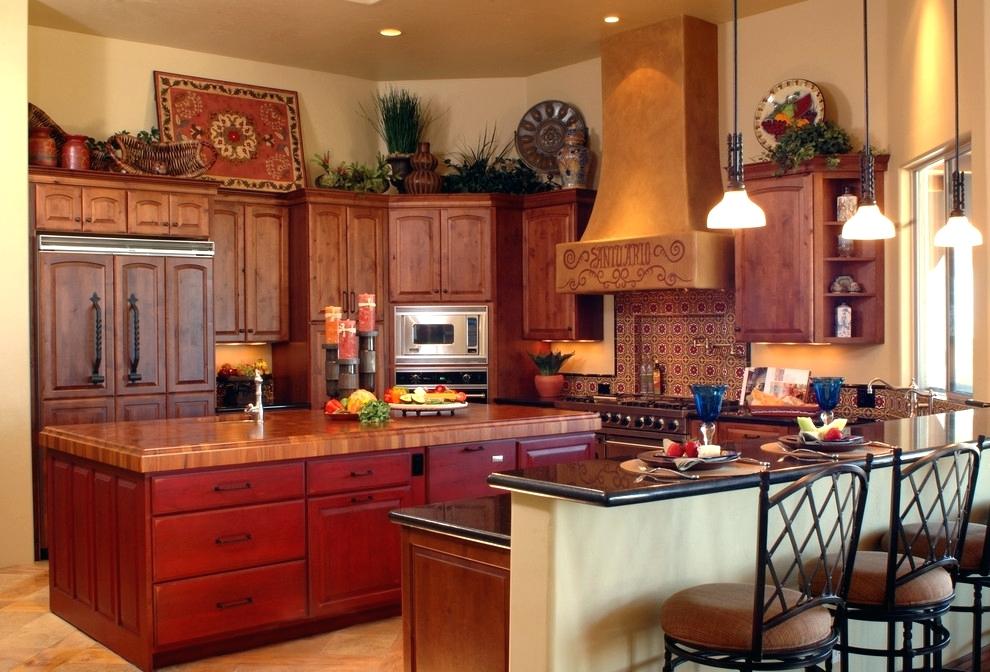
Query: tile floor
(31,638)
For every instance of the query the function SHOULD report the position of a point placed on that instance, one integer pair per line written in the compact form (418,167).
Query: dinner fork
(657,471)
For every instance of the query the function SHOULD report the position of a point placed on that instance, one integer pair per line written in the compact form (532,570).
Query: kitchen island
(177,539)
(595,554)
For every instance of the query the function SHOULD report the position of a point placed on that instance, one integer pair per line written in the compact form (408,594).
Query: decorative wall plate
(792,102)
(541,133)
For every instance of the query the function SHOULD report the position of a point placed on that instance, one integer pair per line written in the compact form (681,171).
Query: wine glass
(708,403)
(827,393)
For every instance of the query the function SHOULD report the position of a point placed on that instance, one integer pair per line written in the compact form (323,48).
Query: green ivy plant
(353,176)
(799,144)
(549,363)
(487,168)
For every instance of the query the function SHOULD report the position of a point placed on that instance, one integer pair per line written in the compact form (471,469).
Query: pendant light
(735,210)
(958,231)
(868,223)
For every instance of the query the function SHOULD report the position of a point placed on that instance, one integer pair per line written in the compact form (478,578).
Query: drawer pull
(473,449)
(228,487)
(498,459)
(360,500)
(233,539)
(751,436)
(359,474)
(235,603)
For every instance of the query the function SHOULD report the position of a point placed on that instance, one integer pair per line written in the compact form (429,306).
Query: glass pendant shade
(958,232)
(736,211)
(868,224)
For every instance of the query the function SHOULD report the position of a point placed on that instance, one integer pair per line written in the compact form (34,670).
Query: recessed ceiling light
(611,19)
(390,32)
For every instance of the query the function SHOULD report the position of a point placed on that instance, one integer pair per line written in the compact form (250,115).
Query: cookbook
(773,386)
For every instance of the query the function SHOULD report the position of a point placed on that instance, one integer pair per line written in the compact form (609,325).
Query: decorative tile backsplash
(690,332)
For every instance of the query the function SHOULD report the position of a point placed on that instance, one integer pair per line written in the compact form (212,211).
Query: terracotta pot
(75,153)
(549,387)
(423,179)
(42,150)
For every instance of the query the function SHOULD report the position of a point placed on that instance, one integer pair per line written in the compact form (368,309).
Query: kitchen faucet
(913,393)
(256,409)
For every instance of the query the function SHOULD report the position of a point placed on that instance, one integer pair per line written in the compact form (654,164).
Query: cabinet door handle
(362,500)
(135,316)
(95,376)
(343,301)
(353,302)
(89,220)
(233,539)
(473,449)
(359,474)
(243,602)
(77,218)
(228,487)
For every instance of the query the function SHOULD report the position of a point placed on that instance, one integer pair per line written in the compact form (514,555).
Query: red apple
(674,450)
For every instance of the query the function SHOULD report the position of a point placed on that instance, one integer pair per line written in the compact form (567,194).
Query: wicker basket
(185,158)
(38,119)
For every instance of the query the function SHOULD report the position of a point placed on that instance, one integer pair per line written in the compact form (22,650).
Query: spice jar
(75,153)
(42,150)
(347,341)
(331,323)
(366,312)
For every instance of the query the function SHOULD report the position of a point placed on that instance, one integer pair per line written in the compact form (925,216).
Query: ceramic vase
(549,387)
(75,153)
(42,150)
(401,167)
(572,159)
(423,179)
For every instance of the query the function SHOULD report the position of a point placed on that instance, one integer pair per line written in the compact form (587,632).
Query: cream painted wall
(16,522)
(97,86)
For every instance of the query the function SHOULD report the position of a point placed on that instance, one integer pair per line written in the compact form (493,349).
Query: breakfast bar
(176,539)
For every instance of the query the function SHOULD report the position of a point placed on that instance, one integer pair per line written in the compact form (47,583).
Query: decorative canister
(843,321)
(423,178)
(347,341)
(572,158)
(366,312)
(42,150)
(75,153)
(845,208)
(331,323)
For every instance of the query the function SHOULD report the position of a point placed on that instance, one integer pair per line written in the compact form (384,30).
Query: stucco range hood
(660,171)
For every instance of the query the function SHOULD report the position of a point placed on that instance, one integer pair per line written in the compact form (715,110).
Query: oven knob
(626,421)
(673,425)
(650,421)
(614,417)
(466,378)
(415,378)
(604,416)
(640,421)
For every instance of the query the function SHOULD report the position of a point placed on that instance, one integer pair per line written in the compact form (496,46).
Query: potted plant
(801,143)
(549,381)
(400,118)
(353,176)
(487,169)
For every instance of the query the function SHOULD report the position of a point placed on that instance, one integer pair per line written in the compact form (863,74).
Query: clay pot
(549,387)
(42,150)
(75,153)
(423,179)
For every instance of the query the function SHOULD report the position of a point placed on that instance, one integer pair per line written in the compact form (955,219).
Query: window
(943,281)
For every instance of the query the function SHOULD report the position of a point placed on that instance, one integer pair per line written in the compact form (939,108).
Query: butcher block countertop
(168,445)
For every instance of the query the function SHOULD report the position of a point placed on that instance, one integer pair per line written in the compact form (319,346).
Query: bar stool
(779,622)
(910,583)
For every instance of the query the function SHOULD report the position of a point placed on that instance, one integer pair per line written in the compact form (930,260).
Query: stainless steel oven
(452,336)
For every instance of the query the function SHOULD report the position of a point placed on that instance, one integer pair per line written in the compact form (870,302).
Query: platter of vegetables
(420,400)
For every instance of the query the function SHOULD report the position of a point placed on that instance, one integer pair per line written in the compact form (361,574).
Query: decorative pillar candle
(331,322)
(366,312)
(347,341)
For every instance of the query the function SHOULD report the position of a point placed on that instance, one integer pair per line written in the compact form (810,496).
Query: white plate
(447,406)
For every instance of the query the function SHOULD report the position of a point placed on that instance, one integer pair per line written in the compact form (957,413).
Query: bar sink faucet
(256,409)
(914,392)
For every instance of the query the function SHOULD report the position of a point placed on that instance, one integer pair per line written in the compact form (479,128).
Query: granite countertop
(484,519)
(163,445)
(605,483)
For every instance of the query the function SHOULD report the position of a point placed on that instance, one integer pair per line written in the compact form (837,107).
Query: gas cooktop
(657,401)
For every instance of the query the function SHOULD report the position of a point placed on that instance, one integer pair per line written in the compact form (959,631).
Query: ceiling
(441,38)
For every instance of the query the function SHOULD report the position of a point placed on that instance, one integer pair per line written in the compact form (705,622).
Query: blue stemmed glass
(708,404)
(827,393)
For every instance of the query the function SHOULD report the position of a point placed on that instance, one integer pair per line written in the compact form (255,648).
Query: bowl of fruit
(359,405)
(833,437)
(420,400)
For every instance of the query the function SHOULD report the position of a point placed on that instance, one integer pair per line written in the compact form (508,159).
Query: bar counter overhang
(594,556)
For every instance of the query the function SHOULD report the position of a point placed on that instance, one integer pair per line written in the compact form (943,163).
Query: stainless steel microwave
(441,335)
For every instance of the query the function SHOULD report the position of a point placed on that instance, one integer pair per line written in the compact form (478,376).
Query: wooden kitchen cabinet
(440,254)
(189,315)
(547,450)
(549,219)
(784,271)
(158,213)
(139,325)
(460,471)
(251,290)
(727,431)
(80,209)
